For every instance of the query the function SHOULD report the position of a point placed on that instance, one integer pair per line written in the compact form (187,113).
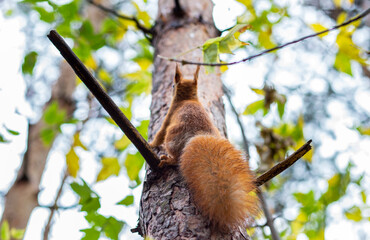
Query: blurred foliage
(90,204)
(130,79)
(7,233)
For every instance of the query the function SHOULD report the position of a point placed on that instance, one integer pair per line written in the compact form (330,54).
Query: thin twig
(265,209)
(358,17)
(280,167)
(113,12)
(92,84)
(58,207)
(244,136)
(269,219)
(54,207)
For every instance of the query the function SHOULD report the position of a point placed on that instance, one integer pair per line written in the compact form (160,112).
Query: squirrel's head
(185,89)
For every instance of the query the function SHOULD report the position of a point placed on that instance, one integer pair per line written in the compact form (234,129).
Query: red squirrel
(218,176)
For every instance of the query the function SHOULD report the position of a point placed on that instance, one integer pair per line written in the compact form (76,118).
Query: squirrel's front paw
(166,161)
(152,145)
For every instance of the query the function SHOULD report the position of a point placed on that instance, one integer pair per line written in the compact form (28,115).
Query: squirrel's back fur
(220,181)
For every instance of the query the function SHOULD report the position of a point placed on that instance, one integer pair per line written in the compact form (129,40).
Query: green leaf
(90,234)
(281,108)
(363,130)
(15,133)
(54,115)
(112,228)
(129,200)
(229,42)
(29,62)
(3,140)
(91,204)
(73,162)
(47,135)
(45,16)
(69,11)
(254,107)
(89,200)
(95,218)
(141,82)
(343,63)
(17,233)
(354,214)
(84,191)
(110,167)
(5,231)
(143,128)
(210,54)
(133,165)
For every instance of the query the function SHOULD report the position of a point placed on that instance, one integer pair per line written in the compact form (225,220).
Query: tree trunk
(167,210)
(21,198)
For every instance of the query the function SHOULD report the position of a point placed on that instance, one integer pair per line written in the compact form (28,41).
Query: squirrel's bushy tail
(220,181)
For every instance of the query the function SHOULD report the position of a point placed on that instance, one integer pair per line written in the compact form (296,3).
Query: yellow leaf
(337,3)
(308,155)
(144,63)
(91,63)
(73,164)
(320,235)
(110,167)
(142,16)
(223,68)
(363,196)
(351,1)
(258,91)
(264,38)
(318,28)
(354,214)
(341,17)
(77,142)
(105,76)
(122,143)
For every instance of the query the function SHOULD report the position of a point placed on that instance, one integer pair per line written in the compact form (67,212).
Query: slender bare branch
(184,62)
(269,219)
(280,167)
(145,30)
(92,84)
(265,209)
(54,207)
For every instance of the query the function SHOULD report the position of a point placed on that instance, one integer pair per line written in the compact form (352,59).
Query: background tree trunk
(21,198)
(167,210)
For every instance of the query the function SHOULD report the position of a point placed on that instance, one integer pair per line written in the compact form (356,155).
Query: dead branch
(92,84)
(280,167)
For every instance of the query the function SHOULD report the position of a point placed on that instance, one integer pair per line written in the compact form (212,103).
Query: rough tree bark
(21,198)
(167,210)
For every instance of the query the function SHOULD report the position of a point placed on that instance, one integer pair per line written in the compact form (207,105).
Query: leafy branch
(184,62)
(145,30)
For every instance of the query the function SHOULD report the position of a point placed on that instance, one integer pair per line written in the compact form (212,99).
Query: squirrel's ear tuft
(196,74)
(178,75)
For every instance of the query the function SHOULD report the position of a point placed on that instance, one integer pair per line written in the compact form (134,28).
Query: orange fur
(220,180)
(217,174)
